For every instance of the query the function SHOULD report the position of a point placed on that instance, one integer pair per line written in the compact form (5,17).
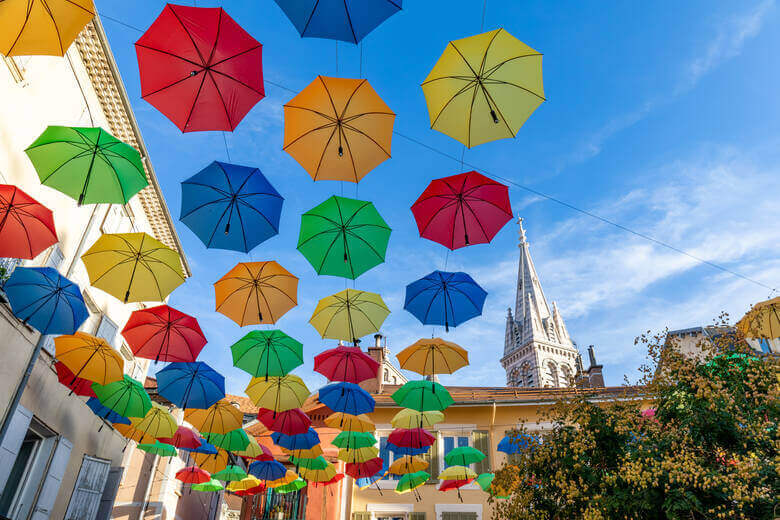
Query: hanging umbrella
(251,491)
(323,476)
(448,485)
(447,299)
(293,486)
(348,21)
(398,451)
(191,385)
(42,27)
(365,482)
(318,463)
(349,315)
(433,356)
(88,164)
(204,448)
(343,237)
(193,475)
(346,364)
(462,210)
(412,481)
(347,398)
(338,129)
(349,422)
(312,453)
(302,441)
(762,321)
(242,485)
(278,393)
(515,443)
(364,469)
(484,87)
(221,417)
(158,422)
(267,353)
(127,397)
(265,454)
(288,422)
(256,292)
(89,357)
(26,225)
(288,477)
(105,413)
(211,462)
(408,418)
(45,300)
(133,267)
(164,334)
(423,396)
(230,207)
(230,474)
(457,473)
(485,480)
(407,464)
(267,470)
(313,481)
(253,450)
(158,448)
(463,456)
(183,438)
(411,438)
(131,433)
(211,485)
(358,455)
(235,440)
(354,440)
(200,68)
(78,385)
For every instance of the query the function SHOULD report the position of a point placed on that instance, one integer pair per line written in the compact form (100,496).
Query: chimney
(378,353)
(595,375)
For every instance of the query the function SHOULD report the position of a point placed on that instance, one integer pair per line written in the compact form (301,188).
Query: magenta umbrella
(346,364)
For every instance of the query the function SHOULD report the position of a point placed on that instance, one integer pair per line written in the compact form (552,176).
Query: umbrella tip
(495,117)
(341,151)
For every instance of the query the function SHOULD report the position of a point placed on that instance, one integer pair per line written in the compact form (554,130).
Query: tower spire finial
(521,231)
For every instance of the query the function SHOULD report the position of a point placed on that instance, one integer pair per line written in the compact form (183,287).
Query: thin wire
(120,22)
(227,151)
(337,58)
(361,60)
(83,94)
(484,10)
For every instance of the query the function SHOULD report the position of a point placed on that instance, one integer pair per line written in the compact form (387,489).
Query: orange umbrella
(211,462)
(256,292)
(221,417)
(338,129)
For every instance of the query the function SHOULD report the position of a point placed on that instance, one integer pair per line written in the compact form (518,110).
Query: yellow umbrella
(484,87)
(251,451)
(457,473)
(158,423)
(211,462)
(318,475)
(349,315)
(278,393)
(131,432)
(133,267)
(221,417)
(433,356)
(256,292)
(89,358)
(762,321)
(409,419)
(407,464)
(358,455)
(350,423)
(312,453)
(286,479)
(242,485)
(42,27)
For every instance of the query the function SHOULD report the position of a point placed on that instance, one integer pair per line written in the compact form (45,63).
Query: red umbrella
(447,485)
(462,210)
(414,438)
(193,475)
(290,422)
(183,438)
(349,364)
(338,477)
(26,226)
(78,385)
(366,469)
(164,334)
(266,456)
(251,491)
(200,68)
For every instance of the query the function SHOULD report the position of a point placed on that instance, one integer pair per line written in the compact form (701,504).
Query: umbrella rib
(243,232)
(200,207)
(77,156)
(311,15)
(194,101)
(447,104)
(220,62)
(500,64)
(354,129)
(192,40)
(349,19)
(307,109)
(237,81)
(324,149)
(307,133)
(490,99)
(22,28)
(349,151)
(185,78)
(182,58)
(221,99)
(500,82)
(332,103)
(216,36)
(248,205)
(54,23)
(349,98)
(113,169)
(476,219)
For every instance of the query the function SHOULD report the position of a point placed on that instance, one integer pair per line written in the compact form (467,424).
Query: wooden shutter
(13,441)
(361,515)
(109,493)
(416,516)
(458,515)
(433,460)
(51,484)
(482,443)
(85,499)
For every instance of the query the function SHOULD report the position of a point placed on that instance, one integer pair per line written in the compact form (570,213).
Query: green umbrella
(354,440)
(88,164)
(267,353)
(412,481)
(422,396)
(211,485)
(230,474)
(343,237)
(463,456)
(159,448)
(295,485)
(127,397)
(313,464)
(235,440)
(484,480)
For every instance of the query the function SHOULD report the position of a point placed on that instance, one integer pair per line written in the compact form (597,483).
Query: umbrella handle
(496,121)
(227,228)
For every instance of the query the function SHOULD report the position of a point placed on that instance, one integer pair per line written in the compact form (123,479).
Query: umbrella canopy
(442,298)
(193,475)
(484,87)
(408,418)
(338,129)
(485,480)
(412,481)
(88,164)
(130,432)
(191,385)
(221,417)
(45,300)
(762,321)
(211,462)
(43,27)
(349,422)
(323,476)
(158,448)
(355,455)
(347,21)
(253,450)
(293,486)
(318,463)
(365,469)
(302,441)
(26,225)
(133,267)
(320,483)
(158,422)
(457,473)
(346,364)
(407,464)
(354,440)
(364,482)
(78,385)
(462,210)
(448,485)
(200,68)
(127,397)
(343,237)
(89,357)
(463,456)
(278,393)
(433,356)
(106,413)
(163,333)
(204,448)
(267,470)
(256,292)
(398,451)
(288,422)
(267,353)
(349,315)
(423,396)
(515,443)
(411,438)
(312,453)
(211,485)
(288,477)
(265,452)
(230,207)
(347,398)
(251,491)
(230,474)
(244,484)
(183,438)
(235,440)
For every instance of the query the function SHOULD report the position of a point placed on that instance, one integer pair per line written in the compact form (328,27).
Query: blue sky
(661,117)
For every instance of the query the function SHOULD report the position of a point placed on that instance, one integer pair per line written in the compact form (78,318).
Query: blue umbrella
(346,397)
(105,413)
(443,298)
(367,481)
(302,441)
(47,301)
(230,207)
(267,470)
(205,447)
(344,20)
(400,452)
(514,444)
(191,385)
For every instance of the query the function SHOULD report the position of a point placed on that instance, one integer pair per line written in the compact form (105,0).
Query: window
(764,344)
(452,442)
(55,258)
(88,491)
(395,380)
(567,375)
(107,330)
(552,372)
(482,443)
(387,376)
(387,458)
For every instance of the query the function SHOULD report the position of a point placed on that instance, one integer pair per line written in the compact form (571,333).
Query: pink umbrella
(183,438)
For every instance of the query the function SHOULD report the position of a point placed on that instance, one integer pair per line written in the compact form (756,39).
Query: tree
(697,438)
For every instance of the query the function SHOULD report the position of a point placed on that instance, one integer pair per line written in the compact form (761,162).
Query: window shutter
(109,493)
(482,443)
(51,484)
(88,491)
(433,460)
(48,344)
(416,516)
(107,330)
(361,515)
(13,441)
